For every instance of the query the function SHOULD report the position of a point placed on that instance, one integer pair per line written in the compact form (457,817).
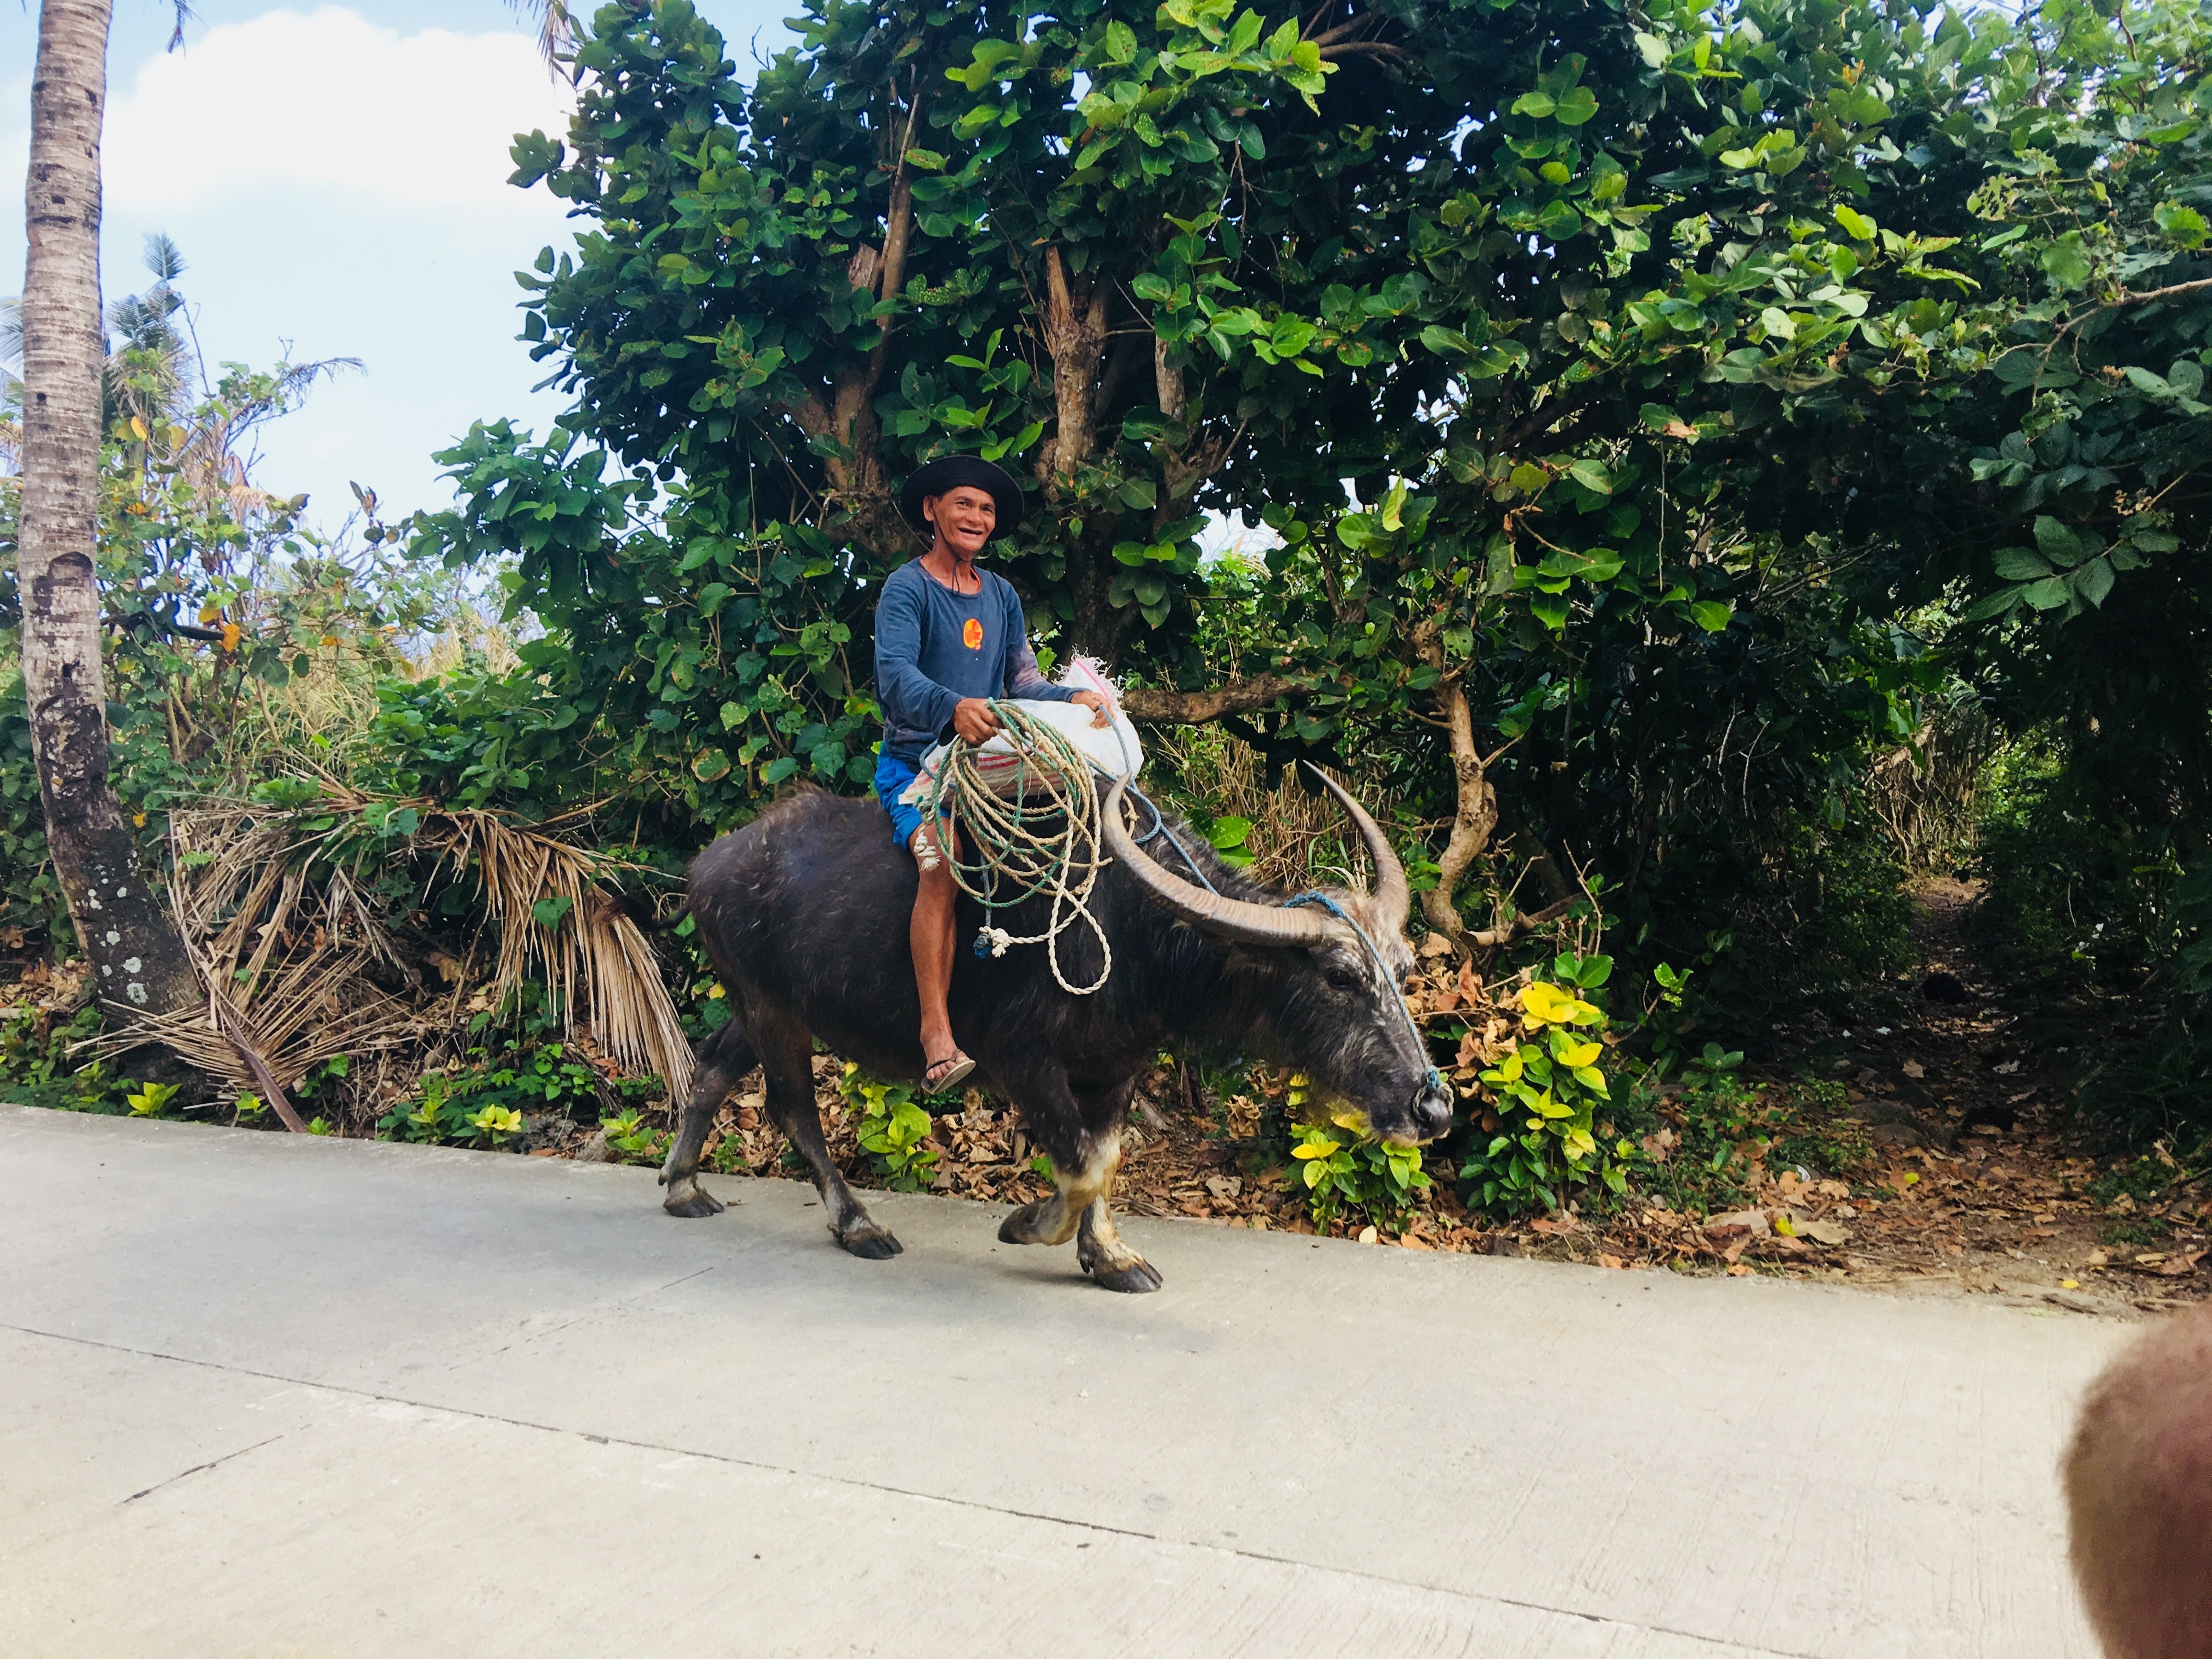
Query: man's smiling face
(964,517)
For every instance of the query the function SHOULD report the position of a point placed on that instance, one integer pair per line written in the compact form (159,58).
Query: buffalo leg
(785,1049)
(723,1060)
(1083,1138)
(1049,1106)
(1104,1254)
(1098,1247)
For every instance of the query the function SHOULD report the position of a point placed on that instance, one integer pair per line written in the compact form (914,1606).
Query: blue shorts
(893,777)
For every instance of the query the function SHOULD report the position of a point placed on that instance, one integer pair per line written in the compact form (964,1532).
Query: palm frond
(164,258)
(270,904)
(557,28)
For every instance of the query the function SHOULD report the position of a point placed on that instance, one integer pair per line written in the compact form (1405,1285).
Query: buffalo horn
(1391,892)
(1229,918)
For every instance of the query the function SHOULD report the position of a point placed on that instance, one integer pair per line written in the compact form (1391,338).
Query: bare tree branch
(1197,708)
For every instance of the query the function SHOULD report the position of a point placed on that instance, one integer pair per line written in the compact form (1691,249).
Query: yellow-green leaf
(1545,1003)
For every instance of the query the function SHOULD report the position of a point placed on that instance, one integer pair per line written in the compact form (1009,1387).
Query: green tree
(1614,380)
(2078,536)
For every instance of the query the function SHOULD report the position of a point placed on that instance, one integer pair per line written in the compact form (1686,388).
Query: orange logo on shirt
(971,635)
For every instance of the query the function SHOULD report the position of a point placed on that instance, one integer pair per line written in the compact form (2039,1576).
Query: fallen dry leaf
(1913,1068)
(1750,1221)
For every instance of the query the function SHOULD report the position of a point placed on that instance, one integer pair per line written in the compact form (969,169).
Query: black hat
(950,472)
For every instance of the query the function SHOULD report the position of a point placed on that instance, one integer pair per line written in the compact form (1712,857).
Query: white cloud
(329,104)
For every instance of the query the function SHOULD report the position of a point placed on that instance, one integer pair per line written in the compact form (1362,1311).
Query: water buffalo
(805,912)
(2139,1495)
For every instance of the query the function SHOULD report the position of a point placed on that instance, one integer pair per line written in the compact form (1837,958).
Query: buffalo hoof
(869,1242)
(692,1204)
(1021,1227)
(1136,1277)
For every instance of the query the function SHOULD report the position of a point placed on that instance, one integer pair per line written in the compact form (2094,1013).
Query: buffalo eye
(1344,978)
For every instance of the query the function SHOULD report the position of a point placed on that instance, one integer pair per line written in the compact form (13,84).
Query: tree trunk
(1475,812)
(140,964)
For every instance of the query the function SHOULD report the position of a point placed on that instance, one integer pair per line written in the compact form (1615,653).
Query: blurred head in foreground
(2139,1495)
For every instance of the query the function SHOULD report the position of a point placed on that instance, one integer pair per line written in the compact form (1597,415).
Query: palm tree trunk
(141,966)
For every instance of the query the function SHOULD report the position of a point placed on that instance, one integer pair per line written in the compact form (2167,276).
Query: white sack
(1113,750)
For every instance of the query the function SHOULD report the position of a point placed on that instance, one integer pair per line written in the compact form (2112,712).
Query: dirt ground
(1963,1086)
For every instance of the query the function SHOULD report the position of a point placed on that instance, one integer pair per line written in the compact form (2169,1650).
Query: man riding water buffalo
(822,930)
(949,637)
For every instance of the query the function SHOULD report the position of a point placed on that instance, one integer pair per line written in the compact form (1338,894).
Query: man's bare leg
(931,937)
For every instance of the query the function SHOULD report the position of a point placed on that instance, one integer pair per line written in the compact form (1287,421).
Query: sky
(336,177)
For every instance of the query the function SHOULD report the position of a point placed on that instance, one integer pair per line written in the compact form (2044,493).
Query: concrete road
(266,1394)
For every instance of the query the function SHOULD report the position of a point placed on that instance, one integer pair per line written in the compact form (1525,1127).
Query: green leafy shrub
(1343,1167)
(893,1132)
(633,1138)
(35,1067)
(150,1099)
(1548,1088)
(495,1125)
(513,1076)
(1709,1143)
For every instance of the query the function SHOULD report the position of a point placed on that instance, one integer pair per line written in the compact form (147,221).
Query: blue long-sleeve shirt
(934,646)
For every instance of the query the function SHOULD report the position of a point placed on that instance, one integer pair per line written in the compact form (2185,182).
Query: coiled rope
(1033,831)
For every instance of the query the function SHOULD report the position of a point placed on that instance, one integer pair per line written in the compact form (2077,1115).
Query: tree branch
(1167,380)
(1074,336)
(1542,420)
(1489,939)
(1382,50)
(1197,708)
(1541,864)
(1476,803)
(2166,293)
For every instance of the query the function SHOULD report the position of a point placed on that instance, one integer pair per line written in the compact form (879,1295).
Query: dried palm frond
(525,876)
(269,903)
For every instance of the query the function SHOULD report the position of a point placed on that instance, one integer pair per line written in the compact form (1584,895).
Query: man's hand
(972,720)
(1101,712)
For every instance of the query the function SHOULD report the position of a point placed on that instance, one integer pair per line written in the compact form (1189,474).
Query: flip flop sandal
(955,1067)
